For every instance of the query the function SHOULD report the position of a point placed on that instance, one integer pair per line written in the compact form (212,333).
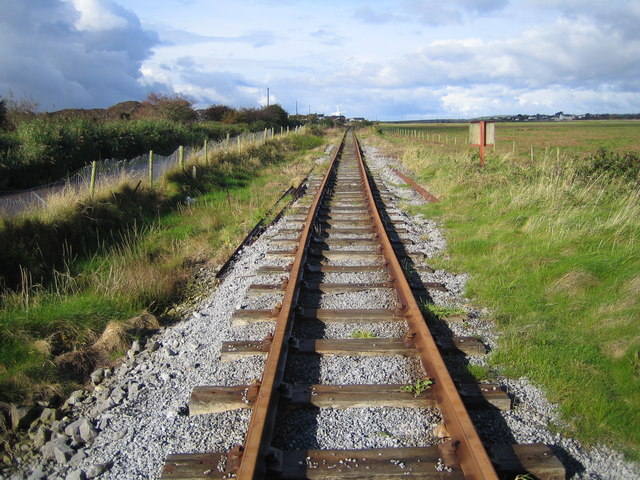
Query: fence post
(264,140)
(150,167)
(92,186)
(206,153)
(181,156)
(239,142)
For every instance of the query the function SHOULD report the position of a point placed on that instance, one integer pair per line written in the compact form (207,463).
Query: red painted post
(483,141)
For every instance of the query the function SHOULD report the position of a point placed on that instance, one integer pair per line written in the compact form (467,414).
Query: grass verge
(73,272)
(552,246)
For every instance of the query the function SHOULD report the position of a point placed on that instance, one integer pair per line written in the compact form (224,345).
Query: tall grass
(85,263)
(552,246)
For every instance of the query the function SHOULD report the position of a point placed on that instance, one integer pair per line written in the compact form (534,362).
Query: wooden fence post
(181,156)
(150,167)
(92,185)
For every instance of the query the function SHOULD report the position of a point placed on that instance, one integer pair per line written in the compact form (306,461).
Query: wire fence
(147,167)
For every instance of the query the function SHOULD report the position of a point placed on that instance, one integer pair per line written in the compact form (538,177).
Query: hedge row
(44,150)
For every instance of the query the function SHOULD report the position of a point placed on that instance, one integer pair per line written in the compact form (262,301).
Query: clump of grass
(444,311)
(479,372)
(524,476)
(418,387)
(363,334)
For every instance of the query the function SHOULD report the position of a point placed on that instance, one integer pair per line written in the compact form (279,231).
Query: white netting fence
(138,168)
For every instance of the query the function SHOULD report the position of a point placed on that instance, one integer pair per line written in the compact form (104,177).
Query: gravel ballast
(137,413)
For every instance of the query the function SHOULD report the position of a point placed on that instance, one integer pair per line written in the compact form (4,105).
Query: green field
(576,137)
(552,243)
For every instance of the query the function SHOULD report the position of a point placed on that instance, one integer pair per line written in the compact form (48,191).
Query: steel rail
(473,458)
(253,464)
(409,181)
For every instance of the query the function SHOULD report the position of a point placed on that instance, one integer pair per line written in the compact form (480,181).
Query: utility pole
(267,96)
(296,107)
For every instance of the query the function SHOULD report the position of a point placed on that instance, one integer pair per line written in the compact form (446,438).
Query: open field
(575,137)
(552,247)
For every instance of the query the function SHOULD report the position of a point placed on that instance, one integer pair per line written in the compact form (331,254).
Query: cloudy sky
(381,59)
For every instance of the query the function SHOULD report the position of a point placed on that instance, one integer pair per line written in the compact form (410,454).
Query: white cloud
(96,15)
(61,53)
(369,15)
(430,12)
(569,55)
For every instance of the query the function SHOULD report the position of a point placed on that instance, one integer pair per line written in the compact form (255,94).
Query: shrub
(4,117)
(625,165)
(43,150)
(215,113)
(175,108)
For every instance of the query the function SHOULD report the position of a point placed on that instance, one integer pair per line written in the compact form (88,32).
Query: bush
(215,113)
(626,165)
(175,108)
(4,115)
(44,150)
(217,131)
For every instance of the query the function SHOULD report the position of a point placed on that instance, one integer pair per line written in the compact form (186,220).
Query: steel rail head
(253,464)
(472,456)
(426,195)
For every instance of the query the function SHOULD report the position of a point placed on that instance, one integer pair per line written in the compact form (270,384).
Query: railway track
(341,266)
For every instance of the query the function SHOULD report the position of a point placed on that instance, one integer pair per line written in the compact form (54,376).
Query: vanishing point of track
(347,210)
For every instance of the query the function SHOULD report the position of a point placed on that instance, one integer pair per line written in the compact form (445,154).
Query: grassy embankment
(85,264)
(553,248)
